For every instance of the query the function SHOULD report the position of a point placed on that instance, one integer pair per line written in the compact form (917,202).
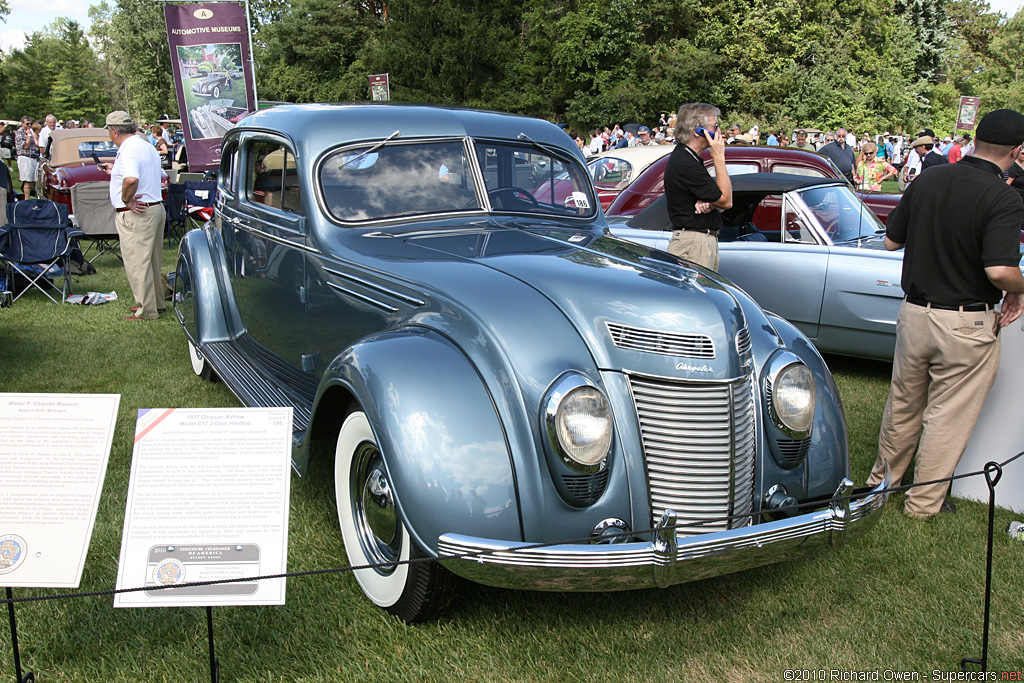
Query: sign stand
(29,677)
(992,474)
(214,664)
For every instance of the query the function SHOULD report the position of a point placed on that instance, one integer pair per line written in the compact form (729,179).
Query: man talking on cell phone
(692,194)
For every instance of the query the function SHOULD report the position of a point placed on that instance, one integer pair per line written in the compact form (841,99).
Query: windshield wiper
(371,150)
(552,151)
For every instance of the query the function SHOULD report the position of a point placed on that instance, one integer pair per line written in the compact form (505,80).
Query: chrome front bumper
(668,559)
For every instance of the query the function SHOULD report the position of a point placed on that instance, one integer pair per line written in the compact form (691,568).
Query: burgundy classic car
(612,172)
(745,159)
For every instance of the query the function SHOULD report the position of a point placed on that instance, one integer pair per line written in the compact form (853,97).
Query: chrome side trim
(667,560)
(387,308)
(375,287)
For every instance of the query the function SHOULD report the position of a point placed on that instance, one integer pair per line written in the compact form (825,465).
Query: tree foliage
(863,64)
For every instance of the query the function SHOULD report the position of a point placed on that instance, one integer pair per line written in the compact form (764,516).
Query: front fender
(443,443)
(829,459)
(197,296)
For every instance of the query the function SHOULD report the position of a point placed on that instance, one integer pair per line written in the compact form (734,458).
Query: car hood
(636,309)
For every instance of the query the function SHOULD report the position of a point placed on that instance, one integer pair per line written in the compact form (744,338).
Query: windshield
(841,213)
(610,172)
(398,180)
(525,179)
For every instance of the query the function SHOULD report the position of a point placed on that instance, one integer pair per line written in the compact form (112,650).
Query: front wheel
(374,533)
(200,365)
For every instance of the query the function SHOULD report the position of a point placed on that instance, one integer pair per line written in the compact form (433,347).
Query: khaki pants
(945,363)
(699,247)
(141,238)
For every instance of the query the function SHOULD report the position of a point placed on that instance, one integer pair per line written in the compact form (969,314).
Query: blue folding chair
(200,198)
(36,241)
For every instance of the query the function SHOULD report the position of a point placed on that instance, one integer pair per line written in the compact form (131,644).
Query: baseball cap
(643,129)
(923,140)
(1001,127)
(119,118)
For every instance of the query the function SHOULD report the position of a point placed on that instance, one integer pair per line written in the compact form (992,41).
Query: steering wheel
(516,193)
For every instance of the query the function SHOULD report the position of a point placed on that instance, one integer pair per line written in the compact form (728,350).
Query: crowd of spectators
(867,160)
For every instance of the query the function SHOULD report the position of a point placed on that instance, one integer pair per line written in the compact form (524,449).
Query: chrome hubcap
(375,515)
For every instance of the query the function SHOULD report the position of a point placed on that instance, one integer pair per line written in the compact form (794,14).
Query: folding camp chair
(177,215)
(93,214)
(35,240)
(200,198)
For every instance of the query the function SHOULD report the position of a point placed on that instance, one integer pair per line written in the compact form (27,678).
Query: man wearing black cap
(960,226)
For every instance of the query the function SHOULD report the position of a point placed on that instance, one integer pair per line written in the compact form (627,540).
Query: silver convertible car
(807,249)
(511,394)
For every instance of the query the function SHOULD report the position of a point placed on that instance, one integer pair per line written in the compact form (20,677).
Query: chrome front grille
(743,342)
(664,343)
(699,443)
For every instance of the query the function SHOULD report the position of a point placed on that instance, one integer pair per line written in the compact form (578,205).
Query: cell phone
(96,159)
(700,130)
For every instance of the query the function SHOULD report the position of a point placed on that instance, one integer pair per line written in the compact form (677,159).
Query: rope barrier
(483,553)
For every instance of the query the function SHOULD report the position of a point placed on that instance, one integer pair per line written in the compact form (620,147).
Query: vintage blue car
(506,387)
(807,249)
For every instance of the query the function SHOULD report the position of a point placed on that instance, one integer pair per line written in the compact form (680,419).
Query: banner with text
(968,113)
(212,74)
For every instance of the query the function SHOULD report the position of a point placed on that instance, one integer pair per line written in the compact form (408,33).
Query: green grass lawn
(909,596)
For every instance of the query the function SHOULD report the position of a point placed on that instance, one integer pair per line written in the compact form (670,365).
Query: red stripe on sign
(157,421)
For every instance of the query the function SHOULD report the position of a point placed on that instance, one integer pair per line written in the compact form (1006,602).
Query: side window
(228,175)
(272,177)
(735,169)
(795,227)
(798,170)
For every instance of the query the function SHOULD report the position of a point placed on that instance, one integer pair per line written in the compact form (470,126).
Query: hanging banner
(965,118)
(212,75)
(380,90)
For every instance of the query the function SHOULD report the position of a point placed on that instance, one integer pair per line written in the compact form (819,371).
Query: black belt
(713,233)
(971,308)
(125,208)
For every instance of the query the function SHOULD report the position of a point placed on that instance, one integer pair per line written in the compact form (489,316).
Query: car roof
(641,156)
(64,143)
(317,127)
(752,186)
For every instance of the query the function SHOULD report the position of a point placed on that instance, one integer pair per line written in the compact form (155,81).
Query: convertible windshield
(528,180)
(374,182)
(843,216)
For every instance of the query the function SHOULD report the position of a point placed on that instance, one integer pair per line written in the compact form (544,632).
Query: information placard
(53,458)
(207,501)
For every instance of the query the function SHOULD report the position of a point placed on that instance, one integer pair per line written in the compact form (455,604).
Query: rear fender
(443,443)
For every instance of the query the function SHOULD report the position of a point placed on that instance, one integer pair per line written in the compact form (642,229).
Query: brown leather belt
(970,308)
(125,208)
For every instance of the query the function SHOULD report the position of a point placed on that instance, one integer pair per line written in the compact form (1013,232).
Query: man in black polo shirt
(692,195)
(960,225)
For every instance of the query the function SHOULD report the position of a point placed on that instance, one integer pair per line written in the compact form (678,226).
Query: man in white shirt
(135,179)
(49,125)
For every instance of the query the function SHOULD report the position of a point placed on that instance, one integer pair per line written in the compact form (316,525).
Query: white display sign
(207,501)
(53,457)
(999,433)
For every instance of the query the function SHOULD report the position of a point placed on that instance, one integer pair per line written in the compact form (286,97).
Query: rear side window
(799,170)
(273,179)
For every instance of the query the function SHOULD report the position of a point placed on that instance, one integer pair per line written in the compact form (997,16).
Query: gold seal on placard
(13,550)
(169,572)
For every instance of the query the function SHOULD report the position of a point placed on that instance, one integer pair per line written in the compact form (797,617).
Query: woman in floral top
(872,169)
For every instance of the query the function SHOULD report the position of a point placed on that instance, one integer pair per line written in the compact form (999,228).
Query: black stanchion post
(214,664)
(992,474)
(29,677)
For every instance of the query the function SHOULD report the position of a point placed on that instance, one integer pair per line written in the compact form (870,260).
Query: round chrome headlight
(793,398)
(580,419)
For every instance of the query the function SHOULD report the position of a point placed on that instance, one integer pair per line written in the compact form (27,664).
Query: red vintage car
(612,172)
(741,159)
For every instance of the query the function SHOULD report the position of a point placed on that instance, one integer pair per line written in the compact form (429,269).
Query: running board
(253,387)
